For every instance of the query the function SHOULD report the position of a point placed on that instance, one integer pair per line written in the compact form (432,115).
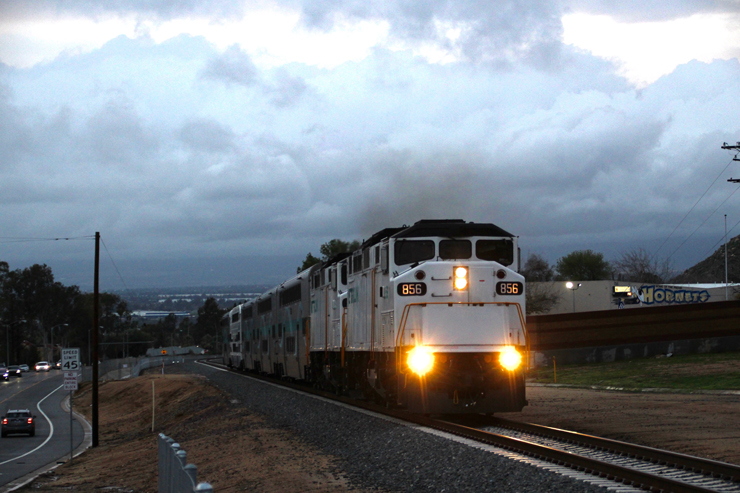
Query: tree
(207,325)
(541,297)
(541,293)
(637,265)
(336,246)
(32,295)
(308,262)
(537,269)
(583,265)
(328,250)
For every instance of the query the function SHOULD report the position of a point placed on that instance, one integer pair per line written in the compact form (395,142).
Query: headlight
(510,358)
(421,360)
(460,278)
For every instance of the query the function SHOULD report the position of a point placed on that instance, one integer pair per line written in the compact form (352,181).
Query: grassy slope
(692,372)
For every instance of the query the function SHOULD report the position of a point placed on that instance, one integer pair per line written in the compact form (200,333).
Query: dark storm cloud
(162,9)
(176,148)
(651,10)
(117,136)
(497,32)
(286,89)
(232,66)
(207,136)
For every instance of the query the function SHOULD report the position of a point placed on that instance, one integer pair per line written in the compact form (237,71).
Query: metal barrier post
(175,474)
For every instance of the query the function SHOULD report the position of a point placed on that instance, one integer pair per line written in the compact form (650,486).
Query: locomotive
(428,317)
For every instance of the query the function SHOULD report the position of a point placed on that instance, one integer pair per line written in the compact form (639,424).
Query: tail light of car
(30,421)
(5,421)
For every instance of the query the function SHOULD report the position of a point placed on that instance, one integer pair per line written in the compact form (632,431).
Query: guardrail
(175,475)
(118,369)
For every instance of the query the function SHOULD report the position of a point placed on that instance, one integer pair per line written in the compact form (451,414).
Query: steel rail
(673,459)
(596,467)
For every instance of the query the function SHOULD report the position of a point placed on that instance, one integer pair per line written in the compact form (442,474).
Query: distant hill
(712,268)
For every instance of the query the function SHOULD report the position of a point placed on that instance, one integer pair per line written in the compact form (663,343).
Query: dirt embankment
(236,451)
(233,449)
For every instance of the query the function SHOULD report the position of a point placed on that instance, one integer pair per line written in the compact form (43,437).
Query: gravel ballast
(376,453)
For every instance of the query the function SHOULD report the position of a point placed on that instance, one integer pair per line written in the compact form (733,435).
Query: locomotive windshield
(410,251)
(501,251)
(455,249)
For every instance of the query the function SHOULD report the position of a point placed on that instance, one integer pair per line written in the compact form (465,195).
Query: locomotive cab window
(501,251)
(455,249)
(410,251)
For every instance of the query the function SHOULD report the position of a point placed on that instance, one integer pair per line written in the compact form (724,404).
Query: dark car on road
(15,371)
(3,373)
(18,421)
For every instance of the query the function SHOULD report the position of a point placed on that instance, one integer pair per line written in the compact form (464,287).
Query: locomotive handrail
(407,311)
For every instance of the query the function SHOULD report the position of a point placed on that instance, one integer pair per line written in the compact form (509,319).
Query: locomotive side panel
(264,322)
(290,352)
(247,335)
(235,338)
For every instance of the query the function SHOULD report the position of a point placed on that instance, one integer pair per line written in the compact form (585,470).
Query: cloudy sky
(218,142)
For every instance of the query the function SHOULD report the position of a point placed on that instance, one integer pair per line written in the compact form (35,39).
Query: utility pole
(96,296)
(727,296)
(736,147)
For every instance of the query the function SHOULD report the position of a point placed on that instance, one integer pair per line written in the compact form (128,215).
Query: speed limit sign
(71,359)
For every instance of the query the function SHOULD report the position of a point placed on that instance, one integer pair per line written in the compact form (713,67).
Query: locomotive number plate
(509,287)
(412,289)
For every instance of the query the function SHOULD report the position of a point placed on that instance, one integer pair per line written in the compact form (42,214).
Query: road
(43,394)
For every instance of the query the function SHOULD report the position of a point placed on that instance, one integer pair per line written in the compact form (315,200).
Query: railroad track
(641,467)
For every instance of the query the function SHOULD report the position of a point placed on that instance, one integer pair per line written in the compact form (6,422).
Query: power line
(702,224)
(689,212)
(711,250)
(114,264)
(726,146)
(13,239)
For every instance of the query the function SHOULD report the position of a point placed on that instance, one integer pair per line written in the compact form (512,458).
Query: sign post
(71,367)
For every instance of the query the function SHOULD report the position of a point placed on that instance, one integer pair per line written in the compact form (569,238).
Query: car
(43,366)
(4,373)
(58,365)
(15,371)
(18,421)
(24,368)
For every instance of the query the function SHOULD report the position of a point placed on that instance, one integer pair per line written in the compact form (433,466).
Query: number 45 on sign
(71,359)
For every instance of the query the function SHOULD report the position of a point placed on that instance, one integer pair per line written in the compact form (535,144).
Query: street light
(51,362)
(7,339)
(572,286)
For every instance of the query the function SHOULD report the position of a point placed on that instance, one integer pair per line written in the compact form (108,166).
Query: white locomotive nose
(420,316)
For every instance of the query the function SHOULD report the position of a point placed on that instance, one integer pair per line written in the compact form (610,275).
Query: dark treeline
(39,316)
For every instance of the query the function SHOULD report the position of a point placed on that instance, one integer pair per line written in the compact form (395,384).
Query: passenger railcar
(428,317)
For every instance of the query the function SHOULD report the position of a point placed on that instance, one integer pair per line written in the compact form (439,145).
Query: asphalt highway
(42,393)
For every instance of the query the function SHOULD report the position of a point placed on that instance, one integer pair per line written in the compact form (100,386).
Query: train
(429,318)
